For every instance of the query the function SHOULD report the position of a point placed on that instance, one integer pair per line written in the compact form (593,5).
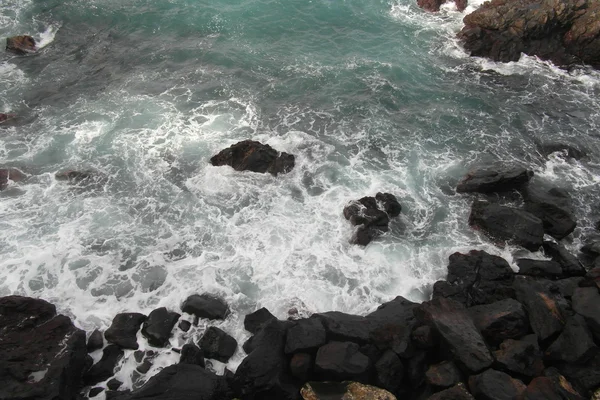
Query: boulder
(205,306)
(570,264)
(191,354)
(217,344)
(391,326)
(443,375)
(95,391)
(564,32)
(305,336)
(157,328)
(21,44)
(345,327)
(495,385)
(423,337)
(494,179)
(372,216)
(434,5)
(504,319)
(457,392)
(509,224)
(584,377)
(5,117)
(113,384)
(585,303)
(84,177)
(522,357)
(10,174)
(416,367)
(389,203)
(339,361)
(184,325)
(250,155)
(575,344)
(43,354)
(301,366)
(123,330)
(105,368)
(343,390)
(592,278)
(551,388)
(253,321)
(539,268)
(95,341)
(389,371)
(457,333)
(553,207)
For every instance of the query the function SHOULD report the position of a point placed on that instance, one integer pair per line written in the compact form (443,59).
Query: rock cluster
(21,44)
(371,215)
(250,155)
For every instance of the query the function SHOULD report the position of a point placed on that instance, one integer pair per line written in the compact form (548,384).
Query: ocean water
(370,95)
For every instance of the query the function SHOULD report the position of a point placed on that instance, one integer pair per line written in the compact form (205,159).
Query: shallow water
(369,95)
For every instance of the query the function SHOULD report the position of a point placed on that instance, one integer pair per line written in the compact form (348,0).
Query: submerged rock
(85,177)
(568,150)
(343,390)
(21,44)
(10,174)
(250,155)
(494,179)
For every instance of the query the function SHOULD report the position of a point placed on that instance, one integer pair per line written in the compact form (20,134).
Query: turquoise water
(369,95)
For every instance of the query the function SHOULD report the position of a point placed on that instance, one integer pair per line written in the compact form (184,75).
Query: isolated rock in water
(254,156)
(434,5)
(568,150)
(43,354)
(343,390)
(21,44)
(496,385)
(504,319)
(217,344)
(5,117)
(10,174)
(123,330)
(553,207)
(390,204)
(253,321)
(565,32)
(205,306)
(494,179)
(157,328)
(372,216)
(339,361)
(507,224)
(80,177)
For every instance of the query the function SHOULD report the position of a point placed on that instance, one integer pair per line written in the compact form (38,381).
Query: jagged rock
(10,174)
(545,315)
(510,224)
(191,354)
(539,268)
(105,368)
(434,5)
(568,150)
(391,326)
(253,321)
(423,337)
(476,278)
(95,341)
(569,263)
(504,319)
(343,390)
(585,302)
(457,332)
(217,344)
(584,377)
(457,392)
(522,357)
(553,207)
(301,366)
(494,179)
(443,375)
(43,354)
(564,32)
(389,203)
(575,344)
(389,371)
(495,385)
(306,335)
(340,360)
(123,330)
(369,217)
(550,388)
(566,287)
(21,44)
(250,155)
(113,384)
(157,328)
(205,306)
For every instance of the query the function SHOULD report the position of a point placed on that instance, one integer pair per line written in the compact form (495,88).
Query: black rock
(371,220)
(510,224)
(423,337)
(553,207)
(550,388)
(522,357)
(575,344)
(494,179)
(585,303)
(43,354)
(545,315)
(253,321)
(191,354)
(416,367)
(95,391)
(345,327)
(95,341)
(365,234)
(185,325)
(389,203)
(144,366)
(301,366)
(443,375)
(569,263)
(586,377)
(568,150)
(250,155)
(157,328)
(504,319)
(340,361)
(205,306)
(457,392)
(105,368)
(113,384)
(495,385)
(539,268)
(389,371)
(306,335)
(123,330)
(391,326)
(217,344)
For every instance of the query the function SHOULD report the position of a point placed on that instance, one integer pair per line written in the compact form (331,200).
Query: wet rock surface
(372,216)
(123,330)
(205,306)
(494,179)
(21,45)
(250,155)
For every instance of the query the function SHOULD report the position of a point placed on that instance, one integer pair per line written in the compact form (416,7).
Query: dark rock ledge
(487,333)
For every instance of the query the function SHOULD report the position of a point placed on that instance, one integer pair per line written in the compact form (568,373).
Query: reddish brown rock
(21,44)
(551,388)
(10,174)
(504,319)
(443,375)
(522,357)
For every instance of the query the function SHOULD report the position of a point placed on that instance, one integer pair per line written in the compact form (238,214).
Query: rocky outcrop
(553,207)
(564,32)
(21,44)
(497,178)
(254,156)
(343,390)
(371,215)
(123,330)
(205,306)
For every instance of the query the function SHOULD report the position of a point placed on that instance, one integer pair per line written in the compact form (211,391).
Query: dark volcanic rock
(80,177)
(181,381)
(423,337)
(592,278)
(568,150)
(391,326)
(306,335)
(504,319)
(389,371)
(345,327)
(250,155)
(495,385)
(457,332)
(253,321)
(157,328)
(301,366)
(539,268)
(95,341)
(191,354)
(522,357)
(553,207)
(574,345)
(586,303)
(10,174)
(564,32)
(205,306)
(389,203)
(551,388)
(340,361)
(443,375)
(95,391)
(217,344)
(458,392)
(569,263)
(586,377)
(105,368)
(184,325)
(123,330)
(43,354)
(21,44)
(5,117)
(371,220)
(494,179)
(113,384)
(545,315)
(503,223)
